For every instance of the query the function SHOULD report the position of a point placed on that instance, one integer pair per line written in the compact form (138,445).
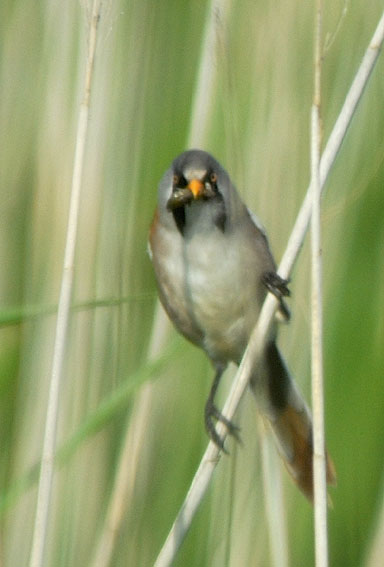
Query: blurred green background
(121,403)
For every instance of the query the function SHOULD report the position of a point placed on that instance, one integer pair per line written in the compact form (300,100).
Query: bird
(214,267)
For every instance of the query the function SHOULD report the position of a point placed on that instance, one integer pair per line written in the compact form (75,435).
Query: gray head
(196,182)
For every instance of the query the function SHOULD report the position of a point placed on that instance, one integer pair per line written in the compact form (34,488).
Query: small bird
(214,267)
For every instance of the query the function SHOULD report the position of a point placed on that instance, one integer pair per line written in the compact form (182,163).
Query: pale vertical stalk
(319,460)
(47,463)
(206,81)
(376,549)
(211,456)
(125,479)
(274,503)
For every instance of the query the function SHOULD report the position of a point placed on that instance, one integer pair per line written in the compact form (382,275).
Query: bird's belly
(222,297)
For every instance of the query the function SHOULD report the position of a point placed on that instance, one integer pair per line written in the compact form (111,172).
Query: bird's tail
(290,420)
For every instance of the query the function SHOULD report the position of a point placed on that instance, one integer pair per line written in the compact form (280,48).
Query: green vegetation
(117,401)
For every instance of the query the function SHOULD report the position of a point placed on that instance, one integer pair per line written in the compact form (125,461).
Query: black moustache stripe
(220,219)
(179,216)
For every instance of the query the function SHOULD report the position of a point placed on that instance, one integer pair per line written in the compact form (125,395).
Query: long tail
(290,420)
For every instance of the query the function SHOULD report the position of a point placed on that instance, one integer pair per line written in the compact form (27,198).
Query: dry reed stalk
(49,446)
(319,458)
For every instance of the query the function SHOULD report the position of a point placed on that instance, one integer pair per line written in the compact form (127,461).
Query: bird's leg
(211,413)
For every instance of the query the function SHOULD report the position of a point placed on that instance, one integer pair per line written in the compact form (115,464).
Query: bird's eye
(179,181)
(213,177)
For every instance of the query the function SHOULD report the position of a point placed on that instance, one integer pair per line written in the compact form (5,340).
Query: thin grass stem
(319,459)
(376,549)
(274,502)
(49,446)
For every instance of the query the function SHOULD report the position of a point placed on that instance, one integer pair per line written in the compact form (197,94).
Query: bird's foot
(276,285)
(211,414)
(279,288)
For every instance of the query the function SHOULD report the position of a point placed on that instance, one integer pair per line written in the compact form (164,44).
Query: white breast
(222,299)
(211,281)
(222,277)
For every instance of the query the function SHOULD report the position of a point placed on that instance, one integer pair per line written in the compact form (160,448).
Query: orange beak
(196,187)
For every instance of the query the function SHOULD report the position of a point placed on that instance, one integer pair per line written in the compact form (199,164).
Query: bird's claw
(279,288)
(212,413)
(276,285)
